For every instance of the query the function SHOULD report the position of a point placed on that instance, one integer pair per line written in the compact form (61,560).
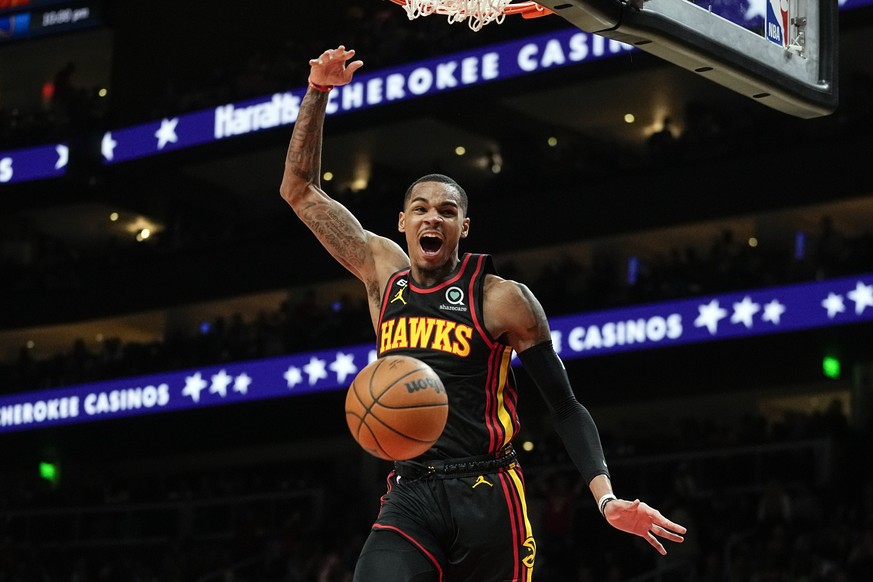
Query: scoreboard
(21,19)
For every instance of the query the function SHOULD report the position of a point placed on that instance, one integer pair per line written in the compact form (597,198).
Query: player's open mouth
(430,244)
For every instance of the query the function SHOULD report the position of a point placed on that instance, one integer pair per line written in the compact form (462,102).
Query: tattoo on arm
(334,226)
(338,231)
(304,150)
(536,324)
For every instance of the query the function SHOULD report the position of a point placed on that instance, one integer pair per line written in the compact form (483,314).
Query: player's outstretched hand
(332,67)
(642,520)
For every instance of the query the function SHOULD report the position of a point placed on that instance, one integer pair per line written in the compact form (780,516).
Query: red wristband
(322,88)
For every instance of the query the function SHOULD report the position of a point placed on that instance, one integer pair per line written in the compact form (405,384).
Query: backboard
(782,53)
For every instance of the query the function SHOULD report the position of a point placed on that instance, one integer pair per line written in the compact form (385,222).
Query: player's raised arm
(364,254)
(337,229)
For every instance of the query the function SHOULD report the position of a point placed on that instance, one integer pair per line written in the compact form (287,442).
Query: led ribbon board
(385,87)
(465,69)
(32,18)
(47,161)
(703,319)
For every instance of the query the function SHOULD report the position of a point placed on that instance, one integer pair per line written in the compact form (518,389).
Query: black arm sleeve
(572,421)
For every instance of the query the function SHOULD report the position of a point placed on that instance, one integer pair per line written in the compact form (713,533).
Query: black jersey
(443,327)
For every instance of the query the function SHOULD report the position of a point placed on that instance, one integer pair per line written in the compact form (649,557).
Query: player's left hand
(332,67)
(642,520)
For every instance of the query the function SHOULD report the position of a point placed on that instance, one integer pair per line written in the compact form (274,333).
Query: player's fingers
(653,541)
(321,59)
(672,526)
(354,66)
(342,53)
(659,519)
(667,534)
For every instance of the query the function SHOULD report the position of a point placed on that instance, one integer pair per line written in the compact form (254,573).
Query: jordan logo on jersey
(398,297)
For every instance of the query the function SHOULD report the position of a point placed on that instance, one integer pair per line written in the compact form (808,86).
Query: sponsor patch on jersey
(455,300)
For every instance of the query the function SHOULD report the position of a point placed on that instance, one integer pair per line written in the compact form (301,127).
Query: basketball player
(457,512)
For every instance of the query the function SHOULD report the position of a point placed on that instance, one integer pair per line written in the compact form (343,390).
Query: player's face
(433,222)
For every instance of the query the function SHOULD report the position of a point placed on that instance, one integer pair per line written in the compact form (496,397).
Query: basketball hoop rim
(524,9)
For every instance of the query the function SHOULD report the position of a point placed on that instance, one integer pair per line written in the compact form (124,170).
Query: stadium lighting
(830,367)
(49,472)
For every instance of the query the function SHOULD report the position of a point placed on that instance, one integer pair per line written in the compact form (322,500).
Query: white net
(477,13)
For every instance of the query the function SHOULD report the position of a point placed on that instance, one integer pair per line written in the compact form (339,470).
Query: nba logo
(776,25)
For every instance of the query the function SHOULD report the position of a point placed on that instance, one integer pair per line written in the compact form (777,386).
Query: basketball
(396,407)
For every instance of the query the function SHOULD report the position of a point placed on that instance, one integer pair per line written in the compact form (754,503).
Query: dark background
(562,219)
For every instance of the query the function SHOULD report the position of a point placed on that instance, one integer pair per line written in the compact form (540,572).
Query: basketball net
(477,13)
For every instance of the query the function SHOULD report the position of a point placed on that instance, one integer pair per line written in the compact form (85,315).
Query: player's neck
(431,277)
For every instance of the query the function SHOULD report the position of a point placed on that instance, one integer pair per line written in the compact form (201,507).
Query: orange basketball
(396,407)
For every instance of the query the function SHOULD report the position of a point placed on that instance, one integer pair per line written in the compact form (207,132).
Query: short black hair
(442,179)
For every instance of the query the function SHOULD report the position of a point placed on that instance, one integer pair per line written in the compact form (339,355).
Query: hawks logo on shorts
(531,546)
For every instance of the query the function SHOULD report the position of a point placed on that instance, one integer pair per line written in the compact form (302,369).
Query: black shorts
(468,526)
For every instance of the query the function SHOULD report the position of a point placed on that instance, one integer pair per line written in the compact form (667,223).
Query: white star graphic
(773,312)
(710,314)
(834,304)
(315,370)
(63,156)
(862,295)
(167,133)
(193,386)
(242,382)
(744,311)
(220,382)
(107,146)
(344,366)
(293,376)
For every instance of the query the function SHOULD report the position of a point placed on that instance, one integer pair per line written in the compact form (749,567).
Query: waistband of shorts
(465,466)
